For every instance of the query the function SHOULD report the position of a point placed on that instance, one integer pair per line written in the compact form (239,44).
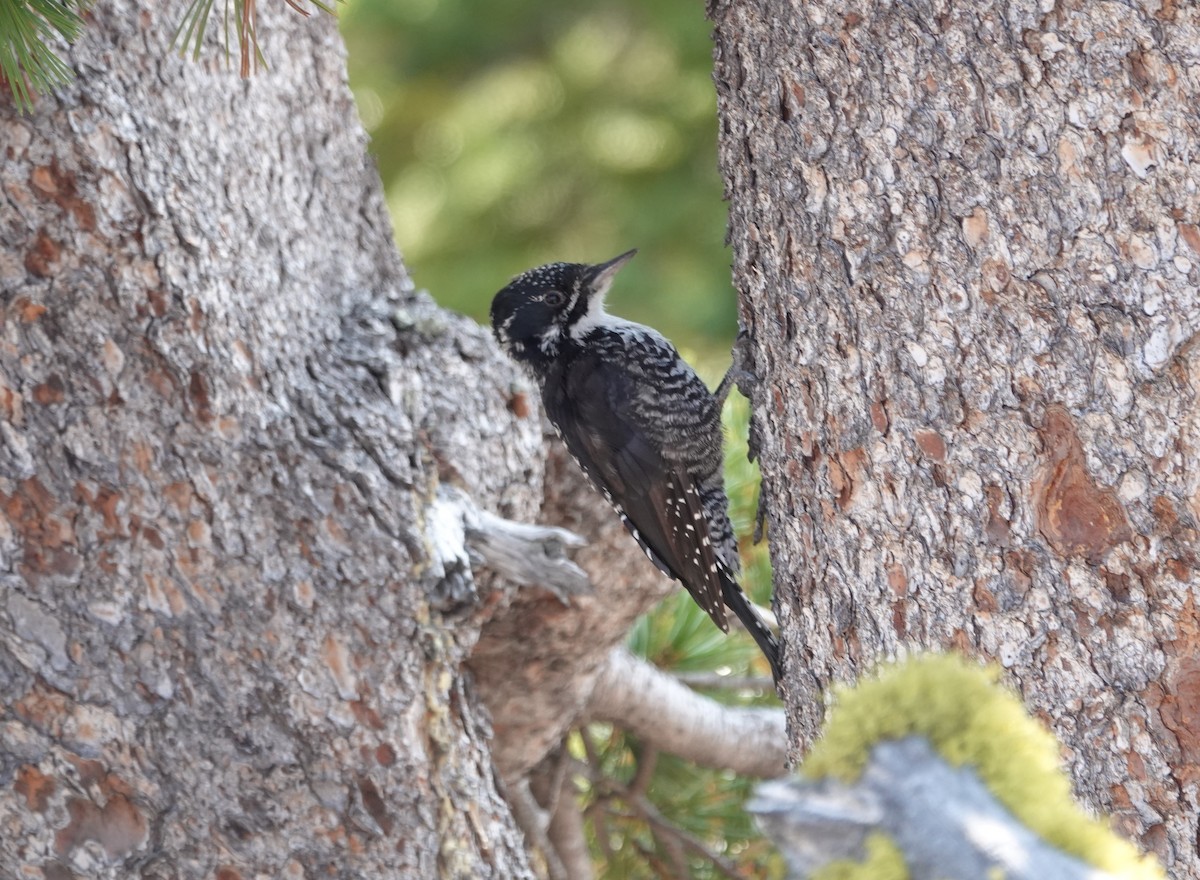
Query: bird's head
(539,309)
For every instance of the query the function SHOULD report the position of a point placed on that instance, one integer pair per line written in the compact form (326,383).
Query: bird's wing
(658,500)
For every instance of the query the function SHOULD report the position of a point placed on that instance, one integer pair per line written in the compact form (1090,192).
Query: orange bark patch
(996,277)
(1176,695)
(198,533)
(117,826)
(845,472)
(373,802)
(1075,515)
(50,391)
(198,394)
(1165,513)
(1118,585)
(43,708)
(1179,569)
(961,642)
(158,302)
(40,259)
(997,528)
(1136,766)
(518,405)
(366,715)
(900,618)
(799,95)
(30,311)
(180,495)
(162,382)
(1020,566)
(163,594)
(56,185)
(35,786)
(12,405)
(932,444)
(1190,234)
(43,180)
(1180,709)
(337,659)
(106,504)
(90,772)
(47,540)
(879,417)
(984,599)
(975,227)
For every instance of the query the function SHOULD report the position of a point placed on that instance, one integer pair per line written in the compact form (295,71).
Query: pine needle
(27,28)
(189,36)
(27,63)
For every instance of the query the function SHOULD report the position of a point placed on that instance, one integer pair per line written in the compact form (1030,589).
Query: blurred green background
(524,132)
(519,133)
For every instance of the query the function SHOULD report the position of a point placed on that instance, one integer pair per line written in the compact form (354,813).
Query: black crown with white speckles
(640,423)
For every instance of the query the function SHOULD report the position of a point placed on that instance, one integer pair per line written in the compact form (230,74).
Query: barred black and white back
(641,424)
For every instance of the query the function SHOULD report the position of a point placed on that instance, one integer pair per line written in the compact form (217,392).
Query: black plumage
(640,422)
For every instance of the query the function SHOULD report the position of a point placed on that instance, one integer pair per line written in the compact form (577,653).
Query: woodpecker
(641,424)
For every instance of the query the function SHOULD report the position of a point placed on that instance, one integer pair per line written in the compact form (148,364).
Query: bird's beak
(600,277)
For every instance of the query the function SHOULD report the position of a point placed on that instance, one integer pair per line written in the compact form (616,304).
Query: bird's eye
(555,298)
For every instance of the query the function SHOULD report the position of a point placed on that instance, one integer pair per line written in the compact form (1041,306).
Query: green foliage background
(518,133)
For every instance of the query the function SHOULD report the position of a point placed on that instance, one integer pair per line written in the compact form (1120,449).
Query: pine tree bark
(224,412)
(232,640)
(966,240)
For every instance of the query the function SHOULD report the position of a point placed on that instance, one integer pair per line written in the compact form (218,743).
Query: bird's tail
(739,603)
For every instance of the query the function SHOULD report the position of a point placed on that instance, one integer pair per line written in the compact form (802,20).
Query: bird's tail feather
(737,601)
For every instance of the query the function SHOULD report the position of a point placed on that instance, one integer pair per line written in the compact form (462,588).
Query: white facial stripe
(596,316)
(548,341)
(502,330)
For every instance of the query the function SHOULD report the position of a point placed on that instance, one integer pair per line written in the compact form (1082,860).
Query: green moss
(970,719)
(884,861)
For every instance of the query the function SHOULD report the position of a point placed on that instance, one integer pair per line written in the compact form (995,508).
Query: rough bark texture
(966,239)
(224,413)
(230,640)
(537,661)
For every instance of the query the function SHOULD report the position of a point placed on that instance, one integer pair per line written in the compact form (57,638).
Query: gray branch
(673,718)
(461,534)
(943,819)
(715,681)
(535,823)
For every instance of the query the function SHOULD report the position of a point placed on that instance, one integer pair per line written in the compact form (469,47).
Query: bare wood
(717,681)
(943,819)
(670,717)
(527,554)
(567,835)
(535,822)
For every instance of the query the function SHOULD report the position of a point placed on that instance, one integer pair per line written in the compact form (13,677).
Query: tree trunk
(966,240)
(224,649)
